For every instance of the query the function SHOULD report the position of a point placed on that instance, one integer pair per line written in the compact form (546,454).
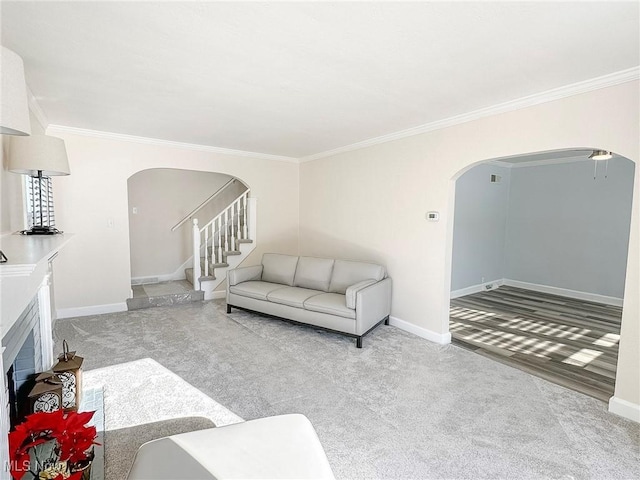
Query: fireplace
(22,358)
(26,319)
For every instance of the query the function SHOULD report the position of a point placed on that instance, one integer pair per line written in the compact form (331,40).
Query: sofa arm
(244,274)
(373,304)
(350,294)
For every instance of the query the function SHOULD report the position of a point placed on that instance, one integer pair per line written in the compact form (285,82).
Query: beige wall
(11,200)
(370,204)
(162,198)
(94,268)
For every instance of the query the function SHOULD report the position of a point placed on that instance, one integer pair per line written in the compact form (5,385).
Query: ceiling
(297,79)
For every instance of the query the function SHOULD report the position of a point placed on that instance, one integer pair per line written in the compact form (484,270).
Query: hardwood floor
(570,342)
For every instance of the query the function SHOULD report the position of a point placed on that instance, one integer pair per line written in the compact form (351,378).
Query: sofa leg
(228,308)
(386,321)
(359,342)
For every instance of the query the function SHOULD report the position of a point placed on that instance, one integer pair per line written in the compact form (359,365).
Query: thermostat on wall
(433,216)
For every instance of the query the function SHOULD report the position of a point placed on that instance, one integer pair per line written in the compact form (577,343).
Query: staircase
(221,244)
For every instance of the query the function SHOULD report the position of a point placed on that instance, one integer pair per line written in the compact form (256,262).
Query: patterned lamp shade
(69,370)
(46,395)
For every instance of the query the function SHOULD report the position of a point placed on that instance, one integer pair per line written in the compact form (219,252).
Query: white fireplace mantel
(22,276)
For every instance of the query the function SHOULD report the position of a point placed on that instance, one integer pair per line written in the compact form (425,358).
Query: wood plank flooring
(570,342)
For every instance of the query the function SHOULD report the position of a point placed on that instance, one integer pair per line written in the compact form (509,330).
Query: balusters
(245,233)
(206,251)
(237,225)
(226,230)
(196,254)
(219,250)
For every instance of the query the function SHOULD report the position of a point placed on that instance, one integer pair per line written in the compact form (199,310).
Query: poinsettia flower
(71,437)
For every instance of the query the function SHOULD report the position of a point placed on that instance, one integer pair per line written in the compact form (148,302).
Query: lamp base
(41,230)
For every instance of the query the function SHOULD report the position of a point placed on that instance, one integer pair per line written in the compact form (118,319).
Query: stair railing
(222,234)
(203,204)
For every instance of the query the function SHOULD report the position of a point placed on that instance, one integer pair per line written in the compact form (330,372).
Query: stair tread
(245,240)
(231,252)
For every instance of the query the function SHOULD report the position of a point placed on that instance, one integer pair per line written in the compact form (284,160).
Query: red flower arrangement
(52,445)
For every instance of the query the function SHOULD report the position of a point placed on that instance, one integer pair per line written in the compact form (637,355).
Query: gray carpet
(401,407)
(121,445)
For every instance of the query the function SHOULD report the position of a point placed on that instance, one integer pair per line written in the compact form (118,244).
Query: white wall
(370,203)
(93,272)
(548,225)
(479,229)
(162,197)
(569,231)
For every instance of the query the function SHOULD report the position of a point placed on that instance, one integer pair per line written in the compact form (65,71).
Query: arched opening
(539,257)
(162,203)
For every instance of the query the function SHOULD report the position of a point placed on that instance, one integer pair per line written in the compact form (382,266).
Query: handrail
(197,209)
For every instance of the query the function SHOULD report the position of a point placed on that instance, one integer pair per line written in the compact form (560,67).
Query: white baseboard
(217,294)
(91,310)
(564,292)
(625,409)
(441,338)
(165,277)
(481,287)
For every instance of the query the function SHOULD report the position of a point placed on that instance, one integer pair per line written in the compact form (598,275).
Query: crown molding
(597,83)
(36,109)
(165,143)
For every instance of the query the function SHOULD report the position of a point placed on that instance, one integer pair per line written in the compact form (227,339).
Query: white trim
(481,287)
(165,143)
(564,292)
(441,338)
(37,111)
(46,322)
(91,310)
(609,80)
(218,294)
(625,409)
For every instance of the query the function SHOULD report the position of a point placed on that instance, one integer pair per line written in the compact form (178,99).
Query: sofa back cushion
(278,268)
(314,273)
(347,273)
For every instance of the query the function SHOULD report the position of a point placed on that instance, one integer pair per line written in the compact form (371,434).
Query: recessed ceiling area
(296,79)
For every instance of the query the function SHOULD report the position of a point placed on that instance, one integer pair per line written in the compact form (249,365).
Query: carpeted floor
(121,445)
(401,407)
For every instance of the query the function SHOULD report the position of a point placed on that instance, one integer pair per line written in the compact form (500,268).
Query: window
(38,189)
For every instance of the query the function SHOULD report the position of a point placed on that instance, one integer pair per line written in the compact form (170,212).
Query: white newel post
(245,233)
(196,255)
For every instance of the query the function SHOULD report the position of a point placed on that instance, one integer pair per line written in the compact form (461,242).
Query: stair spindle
(245,233)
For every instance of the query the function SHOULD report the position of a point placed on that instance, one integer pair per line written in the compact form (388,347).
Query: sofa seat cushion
(331,303)
(255,289)
(292,296)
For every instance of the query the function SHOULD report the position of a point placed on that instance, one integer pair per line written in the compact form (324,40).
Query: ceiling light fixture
(601,155)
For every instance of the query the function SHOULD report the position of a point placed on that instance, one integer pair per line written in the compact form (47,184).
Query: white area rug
(143,391)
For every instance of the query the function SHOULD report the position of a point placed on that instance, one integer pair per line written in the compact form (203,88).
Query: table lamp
(38,156)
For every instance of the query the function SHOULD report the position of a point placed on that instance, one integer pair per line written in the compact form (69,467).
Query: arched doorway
(162,202)
(539,258)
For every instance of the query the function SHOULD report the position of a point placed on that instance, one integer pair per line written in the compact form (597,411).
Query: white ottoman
(285,446)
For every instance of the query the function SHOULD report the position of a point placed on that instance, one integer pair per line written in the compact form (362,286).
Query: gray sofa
(338,295)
